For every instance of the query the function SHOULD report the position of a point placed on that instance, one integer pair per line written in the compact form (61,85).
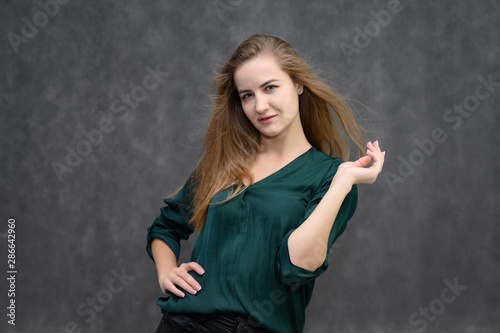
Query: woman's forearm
(164,258)
(308,244)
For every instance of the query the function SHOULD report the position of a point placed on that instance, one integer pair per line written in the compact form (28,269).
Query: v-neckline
(286,166)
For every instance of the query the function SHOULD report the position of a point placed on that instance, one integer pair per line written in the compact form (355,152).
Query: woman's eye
(245,96)
(270,87)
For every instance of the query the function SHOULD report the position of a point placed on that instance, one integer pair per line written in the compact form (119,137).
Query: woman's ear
(300,88)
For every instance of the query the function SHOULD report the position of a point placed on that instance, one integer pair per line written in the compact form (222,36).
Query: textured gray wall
(417,78)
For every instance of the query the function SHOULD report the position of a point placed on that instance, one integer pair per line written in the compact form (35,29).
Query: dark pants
(207,323)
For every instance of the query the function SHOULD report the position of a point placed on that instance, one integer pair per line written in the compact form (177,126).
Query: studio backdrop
(103,114)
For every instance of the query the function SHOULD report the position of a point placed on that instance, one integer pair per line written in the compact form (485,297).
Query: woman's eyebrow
(261,86)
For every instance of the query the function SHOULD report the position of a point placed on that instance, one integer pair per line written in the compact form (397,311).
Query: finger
(171,288)
(186,282)
(375,147)
(375,155)
(192,285)
(378,162)
(194,266)
(370,152)
(363,161)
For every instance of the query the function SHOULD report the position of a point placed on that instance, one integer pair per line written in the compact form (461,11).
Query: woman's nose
(261,103)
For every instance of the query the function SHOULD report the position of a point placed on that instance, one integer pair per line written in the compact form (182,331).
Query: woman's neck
(284,146)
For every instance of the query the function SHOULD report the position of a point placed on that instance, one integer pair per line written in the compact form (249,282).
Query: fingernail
(198,288)
(202,272)
(376,141)
(182,295)
(193,292)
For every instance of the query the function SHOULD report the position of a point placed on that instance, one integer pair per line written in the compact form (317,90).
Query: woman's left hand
(356,173)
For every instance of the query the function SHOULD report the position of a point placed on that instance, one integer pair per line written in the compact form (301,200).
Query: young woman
(269,197)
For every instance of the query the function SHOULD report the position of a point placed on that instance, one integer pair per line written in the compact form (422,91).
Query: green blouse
(243,245)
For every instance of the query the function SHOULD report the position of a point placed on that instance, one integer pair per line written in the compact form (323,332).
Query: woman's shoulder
(316,166)
(318,156)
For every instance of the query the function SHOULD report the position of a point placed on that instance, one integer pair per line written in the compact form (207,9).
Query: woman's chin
(269,135)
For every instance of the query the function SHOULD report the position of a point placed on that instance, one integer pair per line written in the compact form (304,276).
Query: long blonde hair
(232,142)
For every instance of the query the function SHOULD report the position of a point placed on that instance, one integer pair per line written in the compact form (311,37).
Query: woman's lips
(266,119)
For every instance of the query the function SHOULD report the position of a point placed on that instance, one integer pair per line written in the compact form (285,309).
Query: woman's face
(269,97)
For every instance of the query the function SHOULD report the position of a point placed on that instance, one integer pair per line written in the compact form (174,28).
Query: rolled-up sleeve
(291,273)
(172,225)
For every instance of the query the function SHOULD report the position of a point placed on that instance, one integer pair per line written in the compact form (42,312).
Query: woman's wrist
(341,183)
(161,279)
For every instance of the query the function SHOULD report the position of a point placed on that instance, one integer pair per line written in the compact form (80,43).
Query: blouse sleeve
(292,274)
(172,224)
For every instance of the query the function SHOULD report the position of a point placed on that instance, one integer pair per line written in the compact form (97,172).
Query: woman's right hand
(350,173)
(179,277)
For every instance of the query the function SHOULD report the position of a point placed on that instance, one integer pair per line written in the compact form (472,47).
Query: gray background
(438,222)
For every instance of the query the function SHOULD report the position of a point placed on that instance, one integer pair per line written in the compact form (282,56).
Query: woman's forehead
(258,70)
